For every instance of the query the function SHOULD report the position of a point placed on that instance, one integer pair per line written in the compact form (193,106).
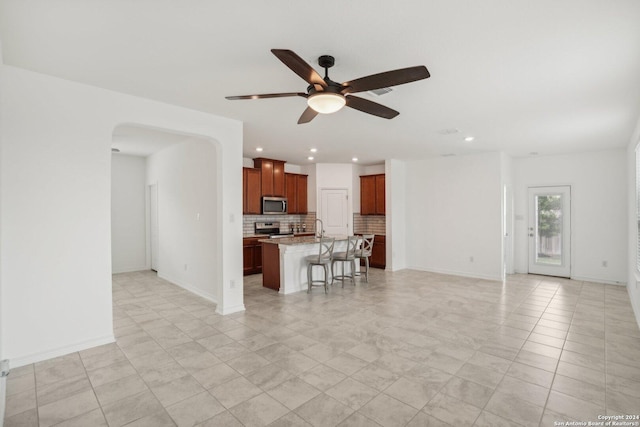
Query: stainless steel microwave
(274,205)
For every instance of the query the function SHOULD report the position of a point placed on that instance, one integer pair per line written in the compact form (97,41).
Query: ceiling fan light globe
(326,102)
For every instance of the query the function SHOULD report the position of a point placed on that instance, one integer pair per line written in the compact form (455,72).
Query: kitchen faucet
(321,233)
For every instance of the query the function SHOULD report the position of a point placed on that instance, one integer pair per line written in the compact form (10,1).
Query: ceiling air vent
(381,91)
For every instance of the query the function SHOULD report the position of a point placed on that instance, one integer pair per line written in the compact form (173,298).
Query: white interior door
(154,242)
(550,231)
(335,211)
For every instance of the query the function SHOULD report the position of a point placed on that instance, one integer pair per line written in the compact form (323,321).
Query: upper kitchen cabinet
(251,191)
(380,195)
(296,192)
(272,176)
(372,195)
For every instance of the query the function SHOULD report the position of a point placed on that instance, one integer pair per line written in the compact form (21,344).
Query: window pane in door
(549,229)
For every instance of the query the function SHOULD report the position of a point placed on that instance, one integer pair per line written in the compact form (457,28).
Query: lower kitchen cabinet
(378,258)
(379,252)
(251,256)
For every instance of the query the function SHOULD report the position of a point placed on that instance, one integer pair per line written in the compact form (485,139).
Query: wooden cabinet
(251,256)
(271,273)
(367,195)
(272,176)
(379,252)
(301,193)
(372,195)
(251,191)
(296,193)
(380,195)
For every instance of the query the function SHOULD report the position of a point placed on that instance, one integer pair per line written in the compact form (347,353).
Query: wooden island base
(271,275)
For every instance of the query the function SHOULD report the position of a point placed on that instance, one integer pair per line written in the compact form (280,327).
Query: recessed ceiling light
(115,150)
(259,149)
(310,158)
(314,150)
(469,139)
(355,159)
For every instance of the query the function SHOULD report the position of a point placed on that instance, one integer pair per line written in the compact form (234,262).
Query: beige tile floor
(409,348)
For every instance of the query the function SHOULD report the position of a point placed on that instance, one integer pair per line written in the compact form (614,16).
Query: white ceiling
(520,76)
(143,141)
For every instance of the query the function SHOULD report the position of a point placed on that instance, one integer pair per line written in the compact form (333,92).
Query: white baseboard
(129,269)
(189,287)
(458,273)
(594,280)
(16,362)
(230,310)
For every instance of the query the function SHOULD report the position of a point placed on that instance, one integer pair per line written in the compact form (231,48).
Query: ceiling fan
(326,96)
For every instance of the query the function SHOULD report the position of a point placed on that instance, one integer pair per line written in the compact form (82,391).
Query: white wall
(598,183)
(506,175)
(128,213)
(396,215)
(633,276)
(453,207)
(335,175)
(55,246)
(312,190)
(186,178)
(356,171)
(3,382)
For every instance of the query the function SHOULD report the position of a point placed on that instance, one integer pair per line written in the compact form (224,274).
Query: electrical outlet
(471,259)
(232,284)
(186,267)
(605,263)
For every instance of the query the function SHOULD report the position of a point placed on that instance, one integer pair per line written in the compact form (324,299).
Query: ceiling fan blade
(370,107)
(268,95)
(386,79)
(299,66)
(308,115)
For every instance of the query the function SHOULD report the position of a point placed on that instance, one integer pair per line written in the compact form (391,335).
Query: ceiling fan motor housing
(326,61)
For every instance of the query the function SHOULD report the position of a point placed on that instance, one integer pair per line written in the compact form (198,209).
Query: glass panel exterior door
(550,231)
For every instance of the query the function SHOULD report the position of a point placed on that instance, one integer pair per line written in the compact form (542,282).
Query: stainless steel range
(270,228)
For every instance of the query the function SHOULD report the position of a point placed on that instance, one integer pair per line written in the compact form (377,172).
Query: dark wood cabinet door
(367,195)
(266,167)
(278,179)
(251,256)
(247,260)
(290,184)
(380,195)
(301,193)
(251,191)
(257,257)
(378,253)
(244,191)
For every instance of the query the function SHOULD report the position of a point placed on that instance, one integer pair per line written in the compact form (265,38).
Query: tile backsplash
(286,221)
(369,224)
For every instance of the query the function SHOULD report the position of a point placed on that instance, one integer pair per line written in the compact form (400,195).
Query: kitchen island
(284,268)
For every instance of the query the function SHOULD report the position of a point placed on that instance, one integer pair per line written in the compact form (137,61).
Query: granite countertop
(250,236)
(301,240)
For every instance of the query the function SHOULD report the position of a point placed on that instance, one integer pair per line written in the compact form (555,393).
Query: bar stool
(348,256)
(364,252)
(323,259)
